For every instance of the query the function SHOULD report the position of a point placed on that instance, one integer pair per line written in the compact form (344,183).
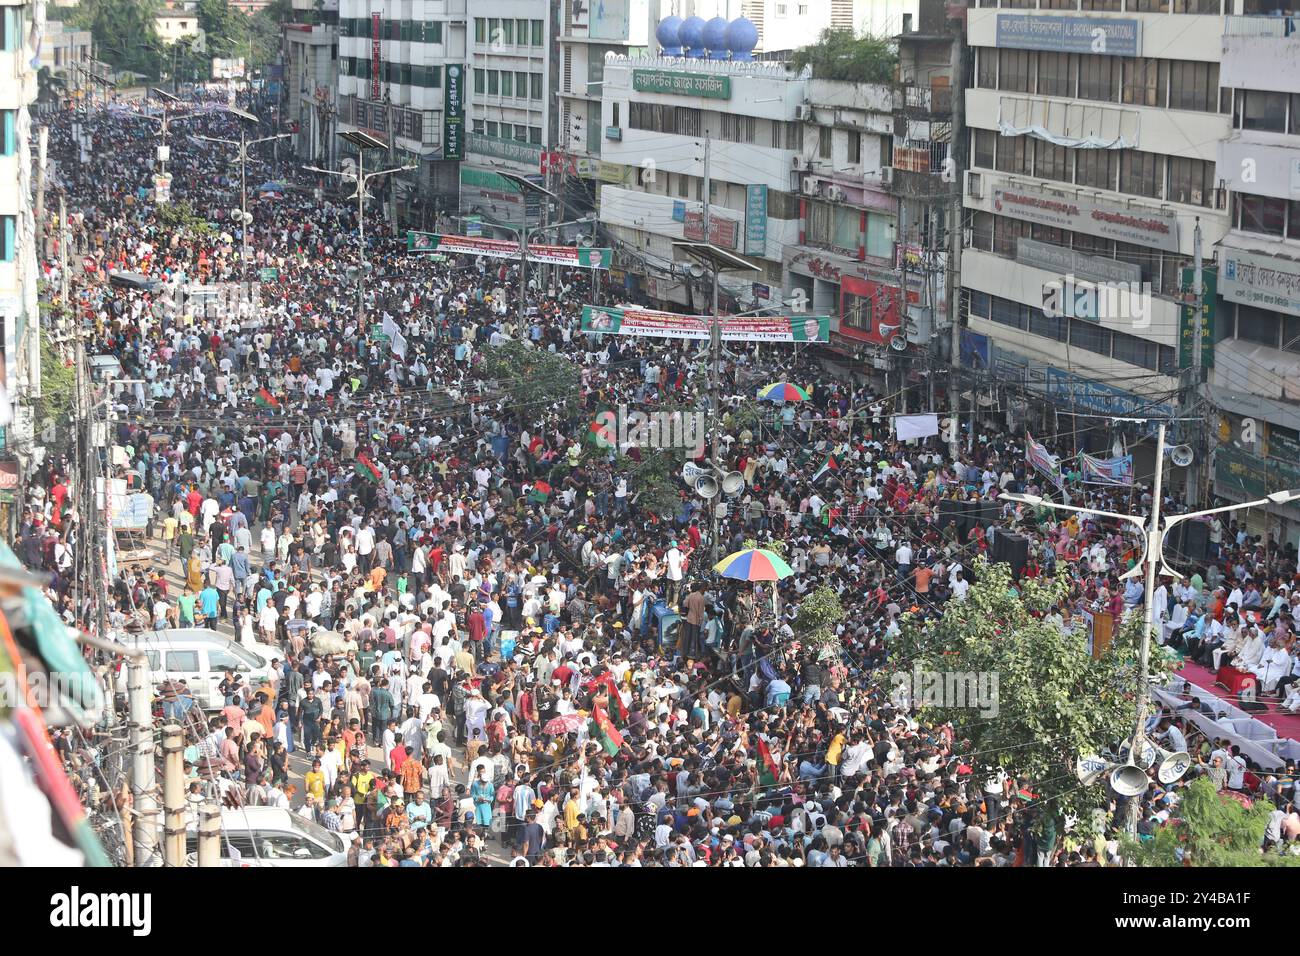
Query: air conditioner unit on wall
(803,112)
(886,175)
(834,194)
(974,186)
(812,187)
(800,163)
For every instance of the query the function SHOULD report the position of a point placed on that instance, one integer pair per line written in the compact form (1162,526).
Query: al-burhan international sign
(1069,34)
(707,85)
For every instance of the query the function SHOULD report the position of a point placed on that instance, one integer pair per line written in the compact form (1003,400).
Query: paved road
(299,763)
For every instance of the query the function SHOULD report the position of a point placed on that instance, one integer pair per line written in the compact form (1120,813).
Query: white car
(270,836)
(200,658)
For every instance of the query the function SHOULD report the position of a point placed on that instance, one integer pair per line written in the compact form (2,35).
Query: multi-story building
(663,119)
(790,24)
(511,115)
(20,366)
(401,66)
(63,49)
(310,81)
(1093,132)
(1253,337)
(588,33)
(847,219)
(176,25)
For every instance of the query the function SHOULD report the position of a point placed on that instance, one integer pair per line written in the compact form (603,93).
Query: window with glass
(1006,312)
(1090,337)
(1055,74)
(1006,232)
(494,82)
(1014,154)
(1191,181)
(508,32)
(1261,110)
(983,142)
(1014,71)
(1144,81)
(479,82)
(432,32)
(1194,86)
(986,72)
(494,129)
(1049,326)
(8,237)
(538,33)
(1051,161)
(1098,77)
(1135,350)
(1258,325)
(534,135)
(1294,124)
(1141,173)
(1291,333)
(534,86)
(8,132)
(1095,168)
(982,231)
(1261,214)
(978,304)
(480,30)
(855,146)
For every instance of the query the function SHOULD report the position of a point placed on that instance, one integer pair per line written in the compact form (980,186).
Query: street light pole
(1154,531)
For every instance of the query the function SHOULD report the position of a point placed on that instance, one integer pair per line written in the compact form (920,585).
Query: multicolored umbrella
(563,724)
(782,392)
(754,564)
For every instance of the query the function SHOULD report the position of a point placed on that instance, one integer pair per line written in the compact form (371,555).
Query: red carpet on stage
(1286,725)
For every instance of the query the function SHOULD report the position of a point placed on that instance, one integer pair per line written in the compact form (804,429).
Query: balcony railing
(1280,26)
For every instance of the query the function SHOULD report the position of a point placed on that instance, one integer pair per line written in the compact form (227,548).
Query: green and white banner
(507,249)
(735,328)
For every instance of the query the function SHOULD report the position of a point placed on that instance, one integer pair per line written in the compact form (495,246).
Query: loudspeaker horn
(1181,455)
(1147,758)
(1128,780)
(691,473)
(706,486)
(733,482)
(1090,768)
(898,342)
(1172,765)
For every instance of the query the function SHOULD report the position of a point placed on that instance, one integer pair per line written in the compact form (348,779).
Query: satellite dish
(898,342)
(1181,455)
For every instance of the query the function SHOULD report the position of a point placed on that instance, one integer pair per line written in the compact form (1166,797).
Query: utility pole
(142,762)
(209,835)
(1192,393)
(901,252)
(952,291)
(715,363)
(1154,540)
(174,794)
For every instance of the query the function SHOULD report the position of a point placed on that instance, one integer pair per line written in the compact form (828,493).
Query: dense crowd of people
(463,594)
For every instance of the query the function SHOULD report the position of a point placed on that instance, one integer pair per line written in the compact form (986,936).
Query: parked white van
(199,657)
(270,836)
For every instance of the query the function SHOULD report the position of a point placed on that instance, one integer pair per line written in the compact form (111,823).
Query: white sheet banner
(916,426)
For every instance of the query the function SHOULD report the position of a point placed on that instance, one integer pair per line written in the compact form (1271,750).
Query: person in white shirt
(673,559)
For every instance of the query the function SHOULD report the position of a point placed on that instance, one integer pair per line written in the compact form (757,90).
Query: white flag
(916,426)
(399,344)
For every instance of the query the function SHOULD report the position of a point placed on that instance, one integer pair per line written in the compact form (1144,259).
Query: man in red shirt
(477,627)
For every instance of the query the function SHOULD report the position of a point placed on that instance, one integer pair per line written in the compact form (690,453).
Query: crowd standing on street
(461,592)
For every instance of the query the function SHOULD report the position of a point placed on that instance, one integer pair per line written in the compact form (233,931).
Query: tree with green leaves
(1053,701)
(1209,829)
(654,480)
(125,33)
(817,617)
(181,217)
(841,54)
(531,377)
(225,29)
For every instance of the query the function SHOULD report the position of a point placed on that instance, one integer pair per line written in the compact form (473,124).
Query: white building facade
(658,114)
(401,69)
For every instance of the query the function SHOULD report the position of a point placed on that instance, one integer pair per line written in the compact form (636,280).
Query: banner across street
(735,328)
(507,249)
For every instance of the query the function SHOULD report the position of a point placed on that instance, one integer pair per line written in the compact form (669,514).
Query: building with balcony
(663,119)
(401,78)
(20,365)
(63,49)
(847,217)
(1254,307)
(510,117)
(588,33)
(1093,132)
(310,89)
(174,25)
